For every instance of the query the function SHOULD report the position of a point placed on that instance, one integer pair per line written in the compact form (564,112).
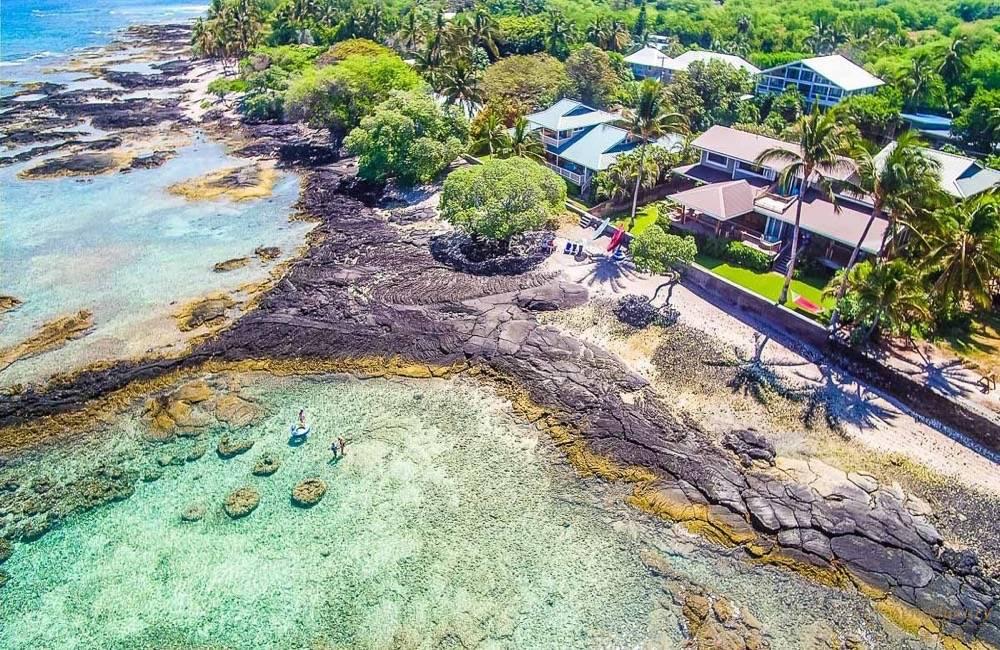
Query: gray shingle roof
(568,114)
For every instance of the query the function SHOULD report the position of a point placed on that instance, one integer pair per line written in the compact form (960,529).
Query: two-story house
(581,141)
(651,63)
(739,199)
(823,80)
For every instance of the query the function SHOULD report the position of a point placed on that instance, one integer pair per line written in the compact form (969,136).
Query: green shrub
(746,256)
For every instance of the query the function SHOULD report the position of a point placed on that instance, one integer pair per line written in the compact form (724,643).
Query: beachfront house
(651,63)
(823,80)
(735,198)
(581,141)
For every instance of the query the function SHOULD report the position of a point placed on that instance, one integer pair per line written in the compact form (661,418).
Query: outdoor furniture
(805,304)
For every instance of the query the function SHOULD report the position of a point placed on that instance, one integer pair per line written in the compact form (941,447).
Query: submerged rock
(6,550)
(230,446)
(195,512)
(9,303)
(241,502)
(308,492)
(4,577)
(714,623)
(236,183)
(50,336)
(151,160)
(266,465)
(267,253)
(210,310)
(231,265)
(80,164)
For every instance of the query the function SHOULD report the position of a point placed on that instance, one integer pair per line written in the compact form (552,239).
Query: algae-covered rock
(196,452)
(6,550)
(208,311)
(266,465)
(244,183)
(79,164)
(267,253)
(231,264)
(8,303)
(52,335)
(195,512)
(230,445)
(4,577)
(241,502)
(308,492)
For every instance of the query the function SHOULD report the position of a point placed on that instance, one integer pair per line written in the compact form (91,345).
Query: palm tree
(824,142)
(618,180)
(485,33)
(888,294)
(459,83)
(560,32)
(650,119)
(522,141)
(411,32)
(894,184)
(493,135)
(954,64)
(917,80)
(967,250)
(618,37)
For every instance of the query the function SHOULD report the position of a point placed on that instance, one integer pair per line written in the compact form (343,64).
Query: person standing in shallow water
(343,445)
(338,444)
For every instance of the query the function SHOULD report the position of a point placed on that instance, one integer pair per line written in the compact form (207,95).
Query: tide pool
(447,524)
(125,249)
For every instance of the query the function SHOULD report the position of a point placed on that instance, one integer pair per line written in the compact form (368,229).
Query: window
(751,168)
(716,159)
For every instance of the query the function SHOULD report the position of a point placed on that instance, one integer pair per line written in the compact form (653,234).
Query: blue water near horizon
(31,30)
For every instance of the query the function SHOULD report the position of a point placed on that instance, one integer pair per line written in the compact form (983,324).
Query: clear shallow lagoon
(446,524)
(124,248)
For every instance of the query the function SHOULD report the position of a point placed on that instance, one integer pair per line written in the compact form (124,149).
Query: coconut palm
(522,141)
(649,118)
(919,80)
(966,252)
(559,34)
(484,32)
(889,295)
(954,63)
(895,185)
(824,142)
(410,32)
(493,135)
(459,83)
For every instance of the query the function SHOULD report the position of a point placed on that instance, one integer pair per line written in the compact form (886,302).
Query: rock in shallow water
(6,550)
(196,511)
(266,465)
(230,446)
(241,502)
(308,492)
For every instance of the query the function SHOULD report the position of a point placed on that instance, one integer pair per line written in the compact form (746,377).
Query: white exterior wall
(815,88)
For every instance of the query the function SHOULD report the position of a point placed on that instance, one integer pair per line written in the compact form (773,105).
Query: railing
(773,202)
(565,173)
(550,141)
(758,241)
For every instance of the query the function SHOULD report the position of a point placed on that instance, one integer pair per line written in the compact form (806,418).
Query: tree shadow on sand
(610,272)
(841,403)
(758,378)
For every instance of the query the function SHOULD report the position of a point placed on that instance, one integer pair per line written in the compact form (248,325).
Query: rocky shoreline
(369,293)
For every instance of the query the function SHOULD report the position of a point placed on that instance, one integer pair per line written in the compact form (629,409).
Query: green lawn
(644,218)
(769,284)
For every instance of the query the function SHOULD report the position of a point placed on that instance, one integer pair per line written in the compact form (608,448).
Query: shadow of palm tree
(841,404)
(609,271)
(758,378)
(951,378)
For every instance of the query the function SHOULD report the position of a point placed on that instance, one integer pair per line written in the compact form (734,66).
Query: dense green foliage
(657,251)
(533,81)
(408,137)
(502,198)
(595,81)
(746,256)
(338,96)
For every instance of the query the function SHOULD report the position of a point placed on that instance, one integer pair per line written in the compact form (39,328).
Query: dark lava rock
(267,253)
(195,512)
(73,165)
(151,160)
(480,257)
(230,446)
(150,475)
(6,550)
(639,312)
(551,297)
(291,144)
(4,578)
(962,562)
(749,445)
(308,492)
(196,452)
(266,465)
(241,502)
(138,81)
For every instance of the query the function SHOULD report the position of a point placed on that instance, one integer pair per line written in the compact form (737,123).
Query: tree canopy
(502,198)
(533,81)
(656,251)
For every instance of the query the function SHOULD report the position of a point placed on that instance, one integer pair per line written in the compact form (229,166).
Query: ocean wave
(62,12)
(40,55)
(159,10)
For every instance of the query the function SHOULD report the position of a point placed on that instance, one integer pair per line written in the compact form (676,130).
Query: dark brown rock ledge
(370,289)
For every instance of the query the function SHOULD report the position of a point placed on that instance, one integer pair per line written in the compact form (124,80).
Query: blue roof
(596,147)
(568,114)
(926,121)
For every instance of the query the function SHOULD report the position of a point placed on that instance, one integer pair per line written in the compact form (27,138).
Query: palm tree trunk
(638,181)
(795,247)
(835,317)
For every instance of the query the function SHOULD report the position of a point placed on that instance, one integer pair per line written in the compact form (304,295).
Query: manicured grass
(979,344)
(769,284)
(644,218)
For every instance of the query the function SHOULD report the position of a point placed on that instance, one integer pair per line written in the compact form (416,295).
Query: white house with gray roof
(824,80)
(581,141)
(651,63)
(961,177)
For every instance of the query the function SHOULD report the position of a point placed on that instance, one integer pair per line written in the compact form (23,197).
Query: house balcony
(549,141)
(772,203)
(757,240)
(565,173)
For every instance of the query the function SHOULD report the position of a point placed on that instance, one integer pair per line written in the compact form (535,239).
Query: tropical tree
(484,32)
(649,119)
(823,144)
(559,36)
(919,81)
(522,142)
(459,83)
(657,251)
(411,32)
(966,251)
(897,184)
(887,296)
(492,134)
(955,61)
